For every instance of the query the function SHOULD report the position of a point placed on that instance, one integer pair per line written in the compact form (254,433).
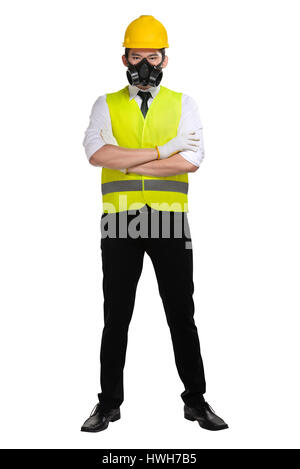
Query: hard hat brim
(145,45)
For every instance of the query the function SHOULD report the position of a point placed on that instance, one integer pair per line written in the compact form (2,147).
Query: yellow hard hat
(146,32)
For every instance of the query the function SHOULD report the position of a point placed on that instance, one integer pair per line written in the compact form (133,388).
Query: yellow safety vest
(132,191)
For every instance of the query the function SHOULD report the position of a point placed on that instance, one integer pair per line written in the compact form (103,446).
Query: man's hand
(182,142)
(108,137)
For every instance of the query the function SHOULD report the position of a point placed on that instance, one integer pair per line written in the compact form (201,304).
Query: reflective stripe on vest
(121,186)
(166,185)
(149,185)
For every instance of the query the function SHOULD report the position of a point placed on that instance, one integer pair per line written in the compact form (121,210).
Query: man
(146,138)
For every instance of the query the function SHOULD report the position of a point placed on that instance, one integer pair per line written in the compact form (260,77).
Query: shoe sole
(206,427)
(112,419)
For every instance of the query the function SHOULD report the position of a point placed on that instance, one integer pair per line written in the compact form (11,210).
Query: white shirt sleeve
(99,119)
(190,120)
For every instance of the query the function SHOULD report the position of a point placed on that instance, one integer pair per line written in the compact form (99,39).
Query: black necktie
(145,95)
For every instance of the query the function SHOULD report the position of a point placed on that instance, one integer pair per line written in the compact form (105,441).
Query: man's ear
(165,62)
(124,60)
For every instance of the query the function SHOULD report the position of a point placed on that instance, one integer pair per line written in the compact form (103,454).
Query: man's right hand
(182,142)
(108,137)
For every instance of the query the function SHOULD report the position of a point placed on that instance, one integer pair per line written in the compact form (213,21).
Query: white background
(240,61)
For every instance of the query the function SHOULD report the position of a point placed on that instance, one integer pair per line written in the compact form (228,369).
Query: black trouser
(122,263)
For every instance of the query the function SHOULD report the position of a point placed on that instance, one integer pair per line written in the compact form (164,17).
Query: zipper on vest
(144,125)
(144,122)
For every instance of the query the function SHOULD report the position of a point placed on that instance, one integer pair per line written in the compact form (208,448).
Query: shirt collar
(133,91)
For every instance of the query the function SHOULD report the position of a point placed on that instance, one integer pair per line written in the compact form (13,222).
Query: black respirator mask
(143,73)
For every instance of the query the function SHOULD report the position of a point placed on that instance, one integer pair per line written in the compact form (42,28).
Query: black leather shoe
(205,416)
(100,418)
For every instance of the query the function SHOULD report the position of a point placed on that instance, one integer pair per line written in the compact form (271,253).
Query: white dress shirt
(100,118)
